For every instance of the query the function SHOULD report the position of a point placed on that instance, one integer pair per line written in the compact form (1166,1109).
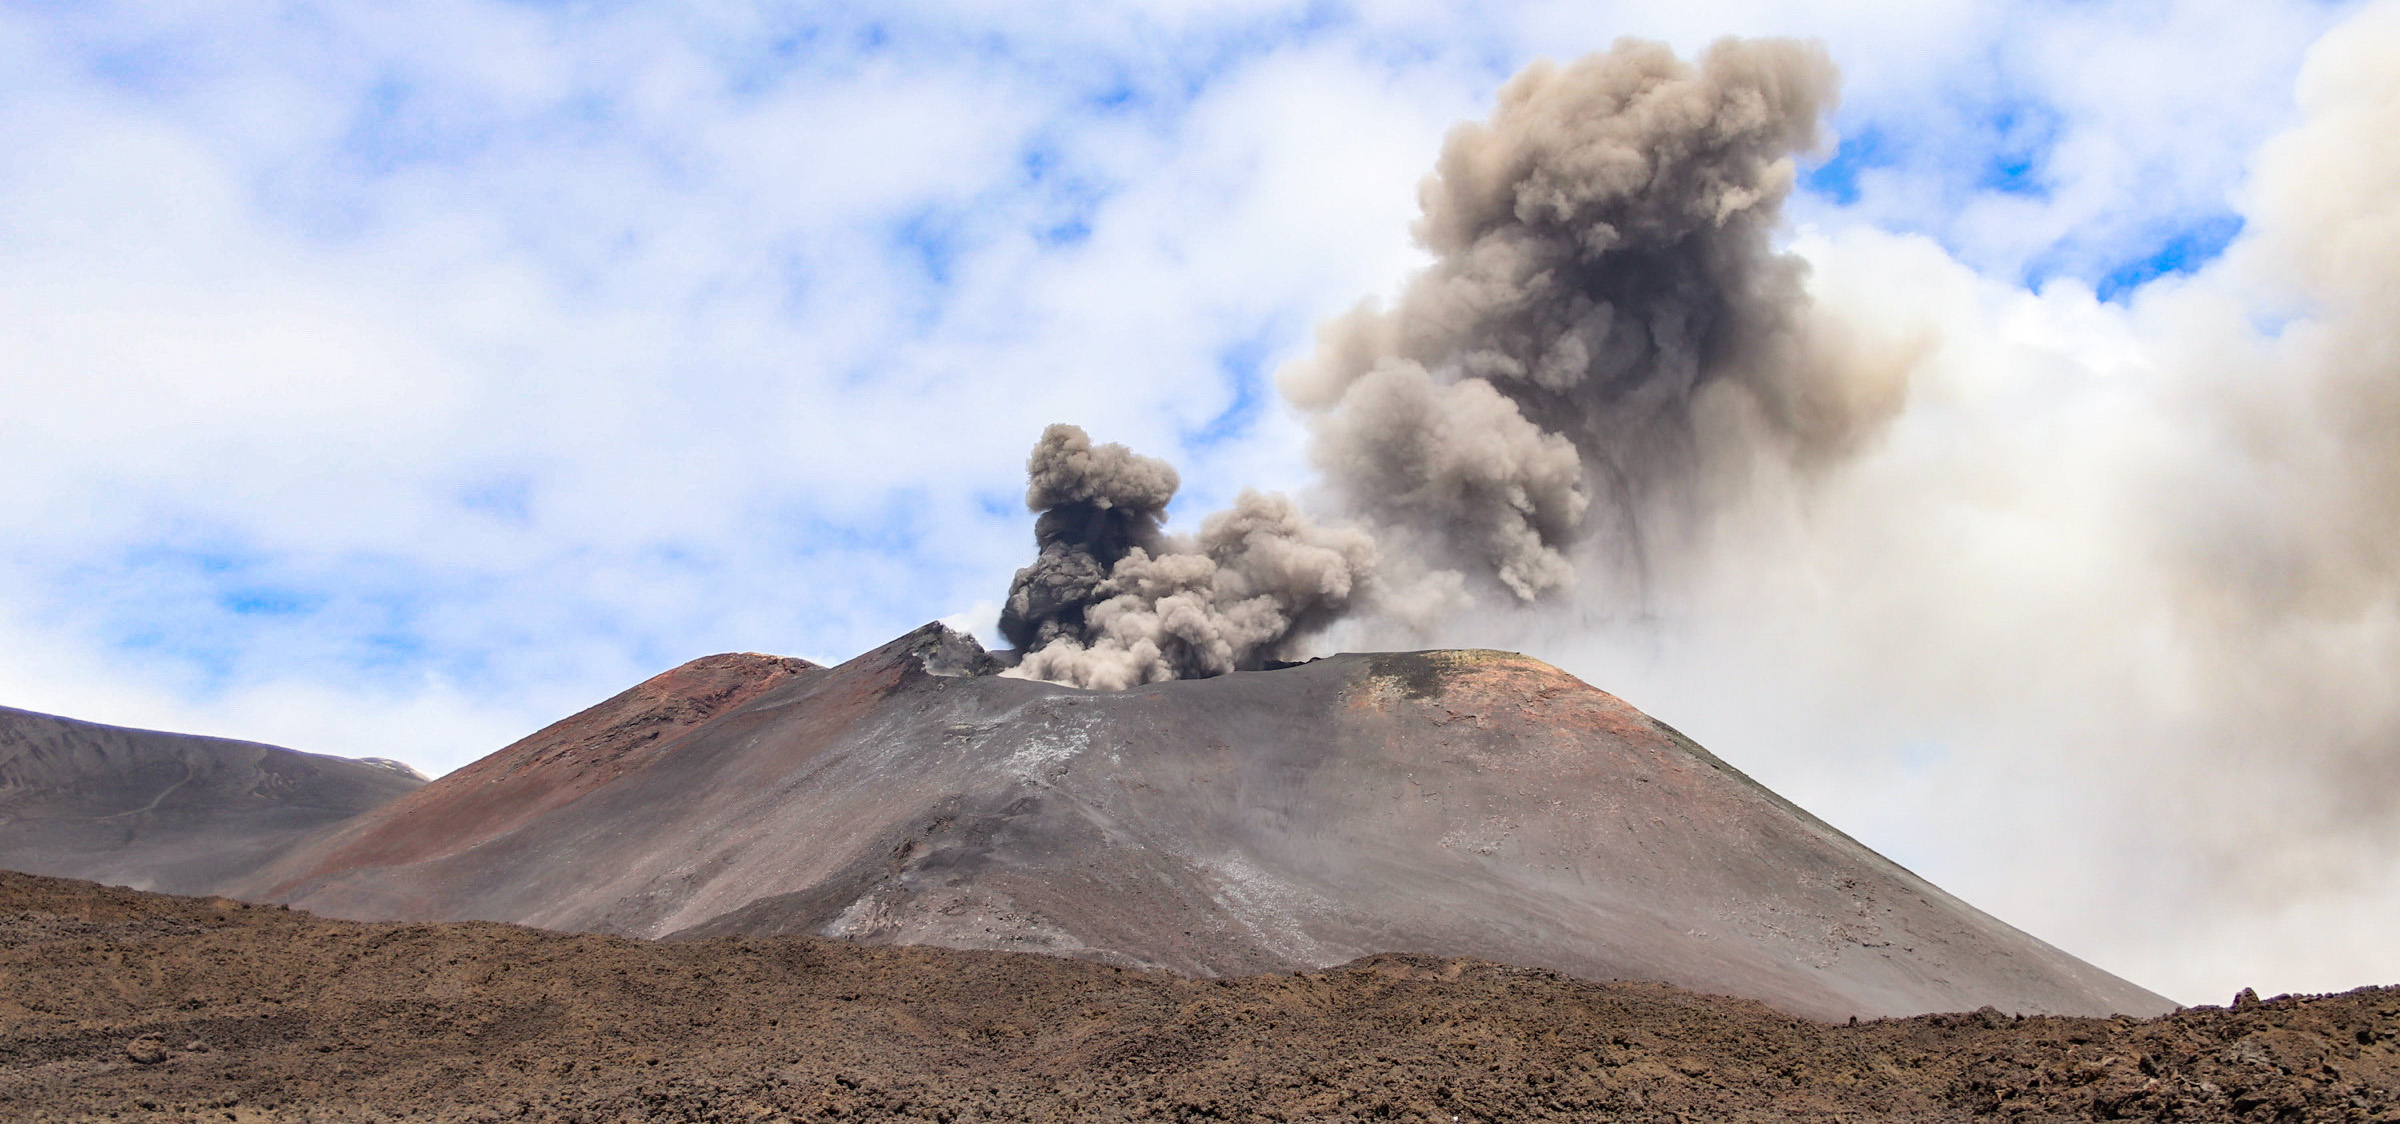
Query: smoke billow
(1113,601)
(1604,303)
(1098,504)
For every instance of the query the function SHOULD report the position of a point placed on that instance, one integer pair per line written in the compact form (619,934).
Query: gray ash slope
(174,813)
(1457,803)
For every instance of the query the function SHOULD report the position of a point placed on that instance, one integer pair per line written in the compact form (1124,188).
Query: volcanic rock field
(124,1005)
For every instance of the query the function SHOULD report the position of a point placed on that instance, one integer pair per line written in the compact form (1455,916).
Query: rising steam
(1603,303)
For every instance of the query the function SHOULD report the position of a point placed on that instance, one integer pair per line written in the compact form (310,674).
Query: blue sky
(394,380)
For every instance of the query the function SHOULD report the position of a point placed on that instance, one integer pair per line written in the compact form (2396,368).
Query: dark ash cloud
(1113,601)
(1604,301)
(1605,307)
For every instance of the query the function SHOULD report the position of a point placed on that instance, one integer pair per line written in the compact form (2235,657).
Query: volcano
(1474,803)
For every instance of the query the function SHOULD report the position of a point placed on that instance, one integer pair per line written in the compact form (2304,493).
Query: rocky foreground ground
(122,1005)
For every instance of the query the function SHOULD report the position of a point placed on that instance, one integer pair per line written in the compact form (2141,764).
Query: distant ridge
(174,813)
(1468,803)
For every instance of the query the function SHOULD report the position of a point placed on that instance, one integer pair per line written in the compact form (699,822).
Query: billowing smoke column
(1097,505)
(1603,292)
(1113,601)
(1604,302)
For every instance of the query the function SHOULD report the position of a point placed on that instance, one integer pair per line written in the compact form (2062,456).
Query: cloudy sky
(392,380)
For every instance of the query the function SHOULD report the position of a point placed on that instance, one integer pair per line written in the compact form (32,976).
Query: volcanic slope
(1467,803)
(168,812)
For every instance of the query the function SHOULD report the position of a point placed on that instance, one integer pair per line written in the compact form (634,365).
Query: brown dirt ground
(122,1005)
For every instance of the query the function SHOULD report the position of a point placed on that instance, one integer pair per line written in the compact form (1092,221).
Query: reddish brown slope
(548,768)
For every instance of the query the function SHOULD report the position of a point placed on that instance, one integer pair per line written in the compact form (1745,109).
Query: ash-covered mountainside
(168,812)
(1469,803)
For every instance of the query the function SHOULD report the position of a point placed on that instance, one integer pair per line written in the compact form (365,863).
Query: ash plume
(1604,302)
(1097,505)
(1114,602)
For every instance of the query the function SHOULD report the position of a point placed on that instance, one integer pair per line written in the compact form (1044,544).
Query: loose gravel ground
(117,1005)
